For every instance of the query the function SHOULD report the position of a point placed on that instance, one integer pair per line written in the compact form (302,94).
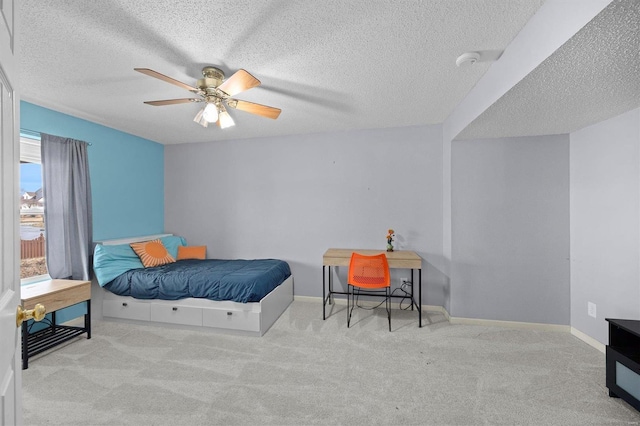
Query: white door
(10,351)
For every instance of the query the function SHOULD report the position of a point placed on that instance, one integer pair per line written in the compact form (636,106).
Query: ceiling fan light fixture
(199,118)
(210,112)
(225,120)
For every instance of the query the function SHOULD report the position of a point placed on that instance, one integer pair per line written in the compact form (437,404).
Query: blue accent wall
(127,178)
(127,173)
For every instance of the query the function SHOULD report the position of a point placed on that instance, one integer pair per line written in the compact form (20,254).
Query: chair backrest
(369,271)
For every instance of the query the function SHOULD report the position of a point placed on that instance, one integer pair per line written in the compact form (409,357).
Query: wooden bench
(53,295)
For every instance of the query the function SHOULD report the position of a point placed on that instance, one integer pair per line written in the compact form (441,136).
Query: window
(32,230)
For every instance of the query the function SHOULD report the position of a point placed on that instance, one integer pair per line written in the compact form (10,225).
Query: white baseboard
(510,324)
(307,298)
(475,321)
(588,340)
(439,309)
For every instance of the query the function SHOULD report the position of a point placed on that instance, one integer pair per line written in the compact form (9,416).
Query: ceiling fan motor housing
(213,77)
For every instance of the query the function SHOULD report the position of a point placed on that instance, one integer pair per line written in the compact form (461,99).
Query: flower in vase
(390,235)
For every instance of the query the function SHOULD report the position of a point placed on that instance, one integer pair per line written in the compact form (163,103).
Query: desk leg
(87,319)
(330,285)
(324,298)
(419,297)
(413,301)
(25,346)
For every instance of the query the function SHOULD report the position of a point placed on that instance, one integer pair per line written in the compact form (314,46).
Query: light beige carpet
(309,371)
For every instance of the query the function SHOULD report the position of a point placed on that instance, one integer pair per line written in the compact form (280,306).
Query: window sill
(35,279)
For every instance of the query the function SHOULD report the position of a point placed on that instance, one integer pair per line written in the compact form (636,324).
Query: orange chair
(370,273)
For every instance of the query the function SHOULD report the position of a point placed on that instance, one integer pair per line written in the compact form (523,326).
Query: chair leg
(349,307)
(389,307)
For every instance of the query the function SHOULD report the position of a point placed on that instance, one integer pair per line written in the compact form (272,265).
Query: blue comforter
(238,280)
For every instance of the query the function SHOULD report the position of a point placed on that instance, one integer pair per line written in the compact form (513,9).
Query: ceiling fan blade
(239,82)
(263,110)
(163,77)
(173,101)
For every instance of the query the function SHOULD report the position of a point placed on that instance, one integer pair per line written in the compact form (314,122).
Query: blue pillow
(109,262)
(171,243)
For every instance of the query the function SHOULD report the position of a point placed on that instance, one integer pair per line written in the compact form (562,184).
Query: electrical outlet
(404,281)
(591,309)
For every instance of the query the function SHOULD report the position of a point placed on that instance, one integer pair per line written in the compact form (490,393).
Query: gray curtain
(67,212)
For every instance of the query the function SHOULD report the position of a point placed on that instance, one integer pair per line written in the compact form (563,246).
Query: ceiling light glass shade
(225,120)
(210,113)
(199,118)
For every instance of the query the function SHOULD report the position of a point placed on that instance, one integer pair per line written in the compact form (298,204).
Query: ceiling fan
(215,91)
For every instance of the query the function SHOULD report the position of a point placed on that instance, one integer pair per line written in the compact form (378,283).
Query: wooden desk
(53,295)
(401,259)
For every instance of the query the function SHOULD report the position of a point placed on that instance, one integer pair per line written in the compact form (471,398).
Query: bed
(238,296)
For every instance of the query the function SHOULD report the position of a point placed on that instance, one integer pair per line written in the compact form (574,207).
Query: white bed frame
(224,316)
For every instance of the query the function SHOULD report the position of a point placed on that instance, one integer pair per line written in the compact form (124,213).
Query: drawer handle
(229,313)
(175,309)
(124,303)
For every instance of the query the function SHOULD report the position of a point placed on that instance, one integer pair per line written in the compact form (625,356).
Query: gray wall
(605,229)
(510,229)
(293,197)
(519,206)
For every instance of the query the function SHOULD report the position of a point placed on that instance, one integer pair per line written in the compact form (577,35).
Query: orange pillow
(152,253)
(192,252)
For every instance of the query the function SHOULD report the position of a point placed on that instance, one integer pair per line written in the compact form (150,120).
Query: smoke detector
(467,59)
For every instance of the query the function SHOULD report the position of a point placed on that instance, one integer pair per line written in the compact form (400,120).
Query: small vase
(389,247)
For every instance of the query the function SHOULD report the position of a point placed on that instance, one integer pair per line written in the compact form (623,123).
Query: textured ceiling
(592,77)
(329,65)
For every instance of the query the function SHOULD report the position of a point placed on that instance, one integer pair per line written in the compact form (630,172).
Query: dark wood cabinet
(623,360)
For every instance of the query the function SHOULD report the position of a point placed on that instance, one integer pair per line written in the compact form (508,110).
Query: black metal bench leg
(87,319)
(25,346)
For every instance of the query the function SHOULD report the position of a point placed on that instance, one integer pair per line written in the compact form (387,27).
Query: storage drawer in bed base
(185,315)
(232,320)
(127,309)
